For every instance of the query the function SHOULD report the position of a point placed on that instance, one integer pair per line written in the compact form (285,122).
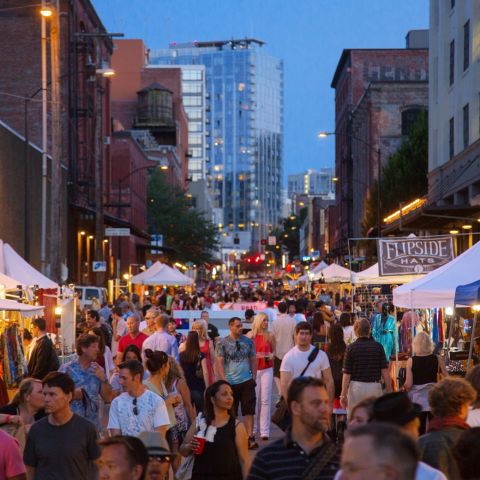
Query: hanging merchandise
(14,365)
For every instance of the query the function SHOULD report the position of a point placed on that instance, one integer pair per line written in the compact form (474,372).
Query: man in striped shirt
(364,365)
(306,451)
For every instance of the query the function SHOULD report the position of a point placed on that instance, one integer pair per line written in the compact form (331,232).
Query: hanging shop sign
(415,255)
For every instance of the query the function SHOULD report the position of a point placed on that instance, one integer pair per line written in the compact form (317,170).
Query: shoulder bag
(281,416)
(324,455)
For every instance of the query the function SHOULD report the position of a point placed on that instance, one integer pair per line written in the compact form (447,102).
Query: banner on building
(413,255)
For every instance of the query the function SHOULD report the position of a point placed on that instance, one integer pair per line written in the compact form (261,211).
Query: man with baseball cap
(159,455)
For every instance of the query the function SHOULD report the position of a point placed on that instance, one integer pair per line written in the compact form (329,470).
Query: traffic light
(263,241)
(236,240)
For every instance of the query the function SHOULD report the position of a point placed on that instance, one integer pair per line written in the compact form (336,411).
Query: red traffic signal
(263,241)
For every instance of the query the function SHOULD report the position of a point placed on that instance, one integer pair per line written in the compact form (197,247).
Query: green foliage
(404,176)
(183,228)
(290,226)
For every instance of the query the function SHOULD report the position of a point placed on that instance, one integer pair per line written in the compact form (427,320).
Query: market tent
(371,276)
(24,309)
(468,295)
(319,267)
(149,272)
(437,289)
(334,274)
(161,274)
(13,265)
(9,283)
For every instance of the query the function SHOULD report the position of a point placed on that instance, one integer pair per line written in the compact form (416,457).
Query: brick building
(78,118)
(150,99)
(376,92)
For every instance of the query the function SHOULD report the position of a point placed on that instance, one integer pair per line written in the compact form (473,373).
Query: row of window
(466,52)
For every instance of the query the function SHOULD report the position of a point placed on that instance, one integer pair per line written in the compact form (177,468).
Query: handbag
(186,469)
(281,416)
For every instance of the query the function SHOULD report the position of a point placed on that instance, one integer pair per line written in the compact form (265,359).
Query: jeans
(263,392)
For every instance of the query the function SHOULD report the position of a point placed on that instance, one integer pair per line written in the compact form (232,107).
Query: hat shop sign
(407,256)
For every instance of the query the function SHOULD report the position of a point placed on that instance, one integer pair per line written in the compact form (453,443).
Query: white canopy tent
(24,309)
(13,265)
(318,268)
(9,283)
(334,274)
(371,276)
(437,289)
(161,274)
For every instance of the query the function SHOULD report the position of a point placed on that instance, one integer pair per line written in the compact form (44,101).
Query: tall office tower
(244,137)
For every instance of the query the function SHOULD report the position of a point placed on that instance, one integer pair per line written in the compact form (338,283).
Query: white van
(85,295)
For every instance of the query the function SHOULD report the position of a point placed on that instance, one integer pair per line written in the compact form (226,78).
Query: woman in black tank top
(423,370)
(226,457)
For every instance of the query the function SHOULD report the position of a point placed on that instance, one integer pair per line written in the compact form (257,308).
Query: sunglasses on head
(135,408)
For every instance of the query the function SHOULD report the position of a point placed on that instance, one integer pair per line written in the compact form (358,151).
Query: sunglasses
(135,408)
(159,458)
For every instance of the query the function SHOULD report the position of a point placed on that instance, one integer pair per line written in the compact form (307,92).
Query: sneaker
(252,444)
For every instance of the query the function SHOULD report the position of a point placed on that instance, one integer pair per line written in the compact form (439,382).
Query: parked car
(85,295)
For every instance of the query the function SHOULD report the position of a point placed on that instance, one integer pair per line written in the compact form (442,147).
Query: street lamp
(379,173)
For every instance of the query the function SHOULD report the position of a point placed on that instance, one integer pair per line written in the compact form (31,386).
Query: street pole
(43,236)
(26,212)
(379,193)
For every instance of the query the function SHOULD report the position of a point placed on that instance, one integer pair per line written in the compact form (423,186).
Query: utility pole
(56,201)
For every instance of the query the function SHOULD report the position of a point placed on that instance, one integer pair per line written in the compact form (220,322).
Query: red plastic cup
(201,445)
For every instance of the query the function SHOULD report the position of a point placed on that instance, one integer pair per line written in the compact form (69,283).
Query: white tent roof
(334,274)
(15,266)
(161,274)
(8,282)
(24,309)
(318,268)
(371,276)
(437,289)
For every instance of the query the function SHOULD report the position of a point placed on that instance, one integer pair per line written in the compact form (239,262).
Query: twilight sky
(309,35)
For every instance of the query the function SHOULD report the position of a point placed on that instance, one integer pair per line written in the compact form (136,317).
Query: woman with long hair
(336,348)
(384,331)
(346,322)
(319,328)
(184,411)
(195,367)
(206,347)
(158,366)
(423,370)
(225,453)
(264,343)
(131,352)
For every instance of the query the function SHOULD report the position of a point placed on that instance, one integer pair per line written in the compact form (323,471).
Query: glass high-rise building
(244,131)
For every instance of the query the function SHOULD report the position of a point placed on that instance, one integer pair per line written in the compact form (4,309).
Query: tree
(192,236)
(404,177)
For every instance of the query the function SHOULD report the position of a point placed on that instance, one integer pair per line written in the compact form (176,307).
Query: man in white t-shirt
(297,358)
(137,409)
(271,312)
(283,329)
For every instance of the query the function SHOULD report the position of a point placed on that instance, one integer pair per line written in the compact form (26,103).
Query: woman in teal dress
(384,331)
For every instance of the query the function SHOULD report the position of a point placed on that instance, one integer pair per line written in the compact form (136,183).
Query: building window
(466,45)
(452,62)
(465,126)
(191,74)
(452,4)
(451,139)
(192,101)
(409,117)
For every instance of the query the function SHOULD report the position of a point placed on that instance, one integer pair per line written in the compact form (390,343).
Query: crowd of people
(142,400)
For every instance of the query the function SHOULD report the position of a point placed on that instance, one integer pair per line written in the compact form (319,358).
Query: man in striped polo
(306,451)
(364,366)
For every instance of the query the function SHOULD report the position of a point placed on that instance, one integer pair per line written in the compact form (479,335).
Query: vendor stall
(161,274)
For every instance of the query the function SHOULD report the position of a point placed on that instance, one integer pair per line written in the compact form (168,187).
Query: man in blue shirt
(89,378)
(237,364)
